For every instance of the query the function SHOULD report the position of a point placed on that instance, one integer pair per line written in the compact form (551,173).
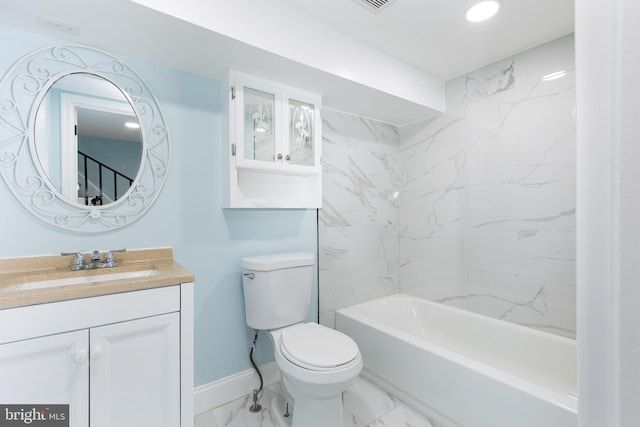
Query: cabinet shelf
(261,169)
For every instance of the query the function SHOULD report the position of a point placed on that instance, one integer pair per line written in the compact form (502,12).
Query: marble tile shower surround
(358,238)
(487,199)
(474,208)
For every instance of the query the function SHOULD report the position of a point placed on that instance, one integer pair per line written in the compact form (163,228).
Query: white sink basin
(81,280)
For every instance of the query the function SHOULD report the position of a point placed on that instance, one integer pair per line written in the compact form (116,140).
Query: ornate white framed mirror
(83,142)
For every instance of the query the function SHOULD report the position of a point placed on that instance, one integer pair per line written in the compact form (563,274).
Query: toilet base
(279,408)
(316,395)
(314,411)
(320,415)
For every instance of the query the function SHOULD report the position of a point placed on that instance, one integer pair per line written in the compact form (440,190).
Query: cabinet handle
(279,156)
(288,157)
(81,356)
(96,352)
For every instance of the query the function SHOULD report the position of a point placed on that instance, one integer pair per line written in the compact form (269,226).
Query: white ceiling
(433,35)
(388,66)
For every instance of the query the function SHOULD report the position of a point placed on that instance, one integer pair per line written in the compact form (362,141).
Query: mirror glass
(88,140)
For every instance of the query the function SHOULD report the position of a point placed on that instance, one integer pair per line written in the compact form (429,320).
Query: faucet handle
(110,259)
(78,262)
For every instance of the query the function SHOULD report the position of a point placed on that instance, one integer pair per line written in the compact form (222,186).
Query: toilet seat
(315,347)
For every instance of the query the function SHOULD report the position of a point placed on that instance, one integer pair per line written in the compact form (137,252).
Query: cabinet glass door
(259,129)
(301,133)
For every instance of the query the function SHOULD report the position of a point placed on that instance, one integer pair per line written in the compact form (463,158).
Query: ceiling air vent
(374,5)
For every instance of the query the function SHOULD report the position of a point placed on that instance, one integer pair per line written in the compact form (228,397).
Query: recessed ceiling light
(483,10)
(132,125)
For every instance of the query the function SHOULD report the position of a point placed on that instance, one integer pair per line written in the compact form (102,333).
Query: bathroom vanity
(117,350)
(111,338)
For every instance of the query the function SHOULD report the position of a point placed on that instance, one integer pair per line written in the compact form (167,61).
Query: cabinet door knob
(96,352)
(279,156)
(288,157)
(81,356)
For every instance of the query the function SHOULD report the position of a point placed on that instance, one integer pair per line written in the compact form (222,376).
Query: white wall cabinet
(273,145)
(127,359)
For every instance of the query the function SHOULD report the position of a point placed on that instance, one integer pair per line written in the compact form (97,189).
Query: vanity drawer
(46,319)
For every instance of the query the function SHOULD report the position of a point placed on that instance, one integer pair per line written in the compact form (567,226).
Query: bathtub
(463,369)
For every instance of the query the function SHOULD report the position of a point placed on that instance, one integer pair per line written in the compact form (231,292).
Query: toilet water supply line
(255,407)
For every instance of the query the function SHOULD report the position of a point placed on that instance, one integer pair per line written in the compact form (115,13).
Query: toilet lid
(315,347)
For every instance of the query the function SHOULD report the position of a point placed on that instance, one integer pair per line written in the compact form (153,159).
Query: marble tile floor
(365,405)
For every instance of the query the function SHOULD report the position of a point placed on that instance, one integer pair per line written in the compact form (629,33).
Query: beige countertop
(18,271)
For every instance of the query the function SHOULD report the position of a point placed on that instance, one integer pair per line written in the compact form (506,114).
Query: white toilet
(316,363)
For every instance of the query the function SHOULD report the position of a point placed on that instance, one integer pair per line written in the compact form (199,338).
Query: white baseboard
(224,390)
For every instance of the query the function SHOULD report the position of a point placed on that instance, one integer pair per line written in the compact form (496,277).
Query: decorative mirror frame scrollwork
(21,91)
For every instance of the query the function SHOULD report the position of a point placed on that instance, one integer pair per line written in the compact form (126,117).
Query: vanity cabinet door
(48,370)
(135,373)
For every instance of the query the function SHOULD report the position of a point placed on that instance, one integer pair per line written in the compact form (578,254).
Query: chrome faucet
(79,263)
(110,260)
(96,260)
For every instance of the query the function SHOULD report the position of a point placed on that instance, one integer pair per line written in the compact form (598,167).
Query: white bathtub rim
(474,315)
(561,389)
(563,400)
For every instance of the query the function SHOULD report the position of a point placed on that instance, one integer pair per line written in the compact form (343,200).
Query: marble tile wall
(358,222)
(487,198)
(475,208)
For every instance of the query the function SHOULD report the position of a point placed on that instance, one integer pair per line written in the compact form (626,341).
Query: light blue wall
(187,216)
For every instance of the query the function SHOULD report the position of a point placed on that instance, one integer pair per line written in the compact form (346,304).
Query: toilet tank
(277,289)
